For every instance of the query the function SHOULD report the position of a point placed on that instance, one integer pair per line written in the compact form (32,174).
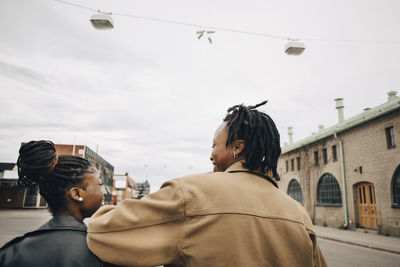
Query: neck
(70,212)
(241,158)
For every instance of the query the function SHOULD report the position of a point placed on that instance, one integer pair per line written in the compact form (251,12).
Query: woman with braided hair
(235,216)
(73,191)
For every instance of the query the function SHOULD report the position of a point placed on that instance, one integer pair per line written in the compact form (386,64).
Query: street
(337,254)
(17,222)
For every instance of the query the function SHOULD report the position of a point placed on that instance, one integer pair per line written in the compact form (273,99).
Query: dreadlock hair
(39,164)
(260,135)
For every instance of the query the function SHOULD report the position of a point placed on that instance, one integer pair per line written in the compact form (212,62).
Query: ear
(238,146)
(75,193)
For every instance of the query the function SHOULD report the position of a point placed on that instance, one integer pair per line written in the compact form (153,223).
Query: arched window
(328,192)
(294,190)
(396,188)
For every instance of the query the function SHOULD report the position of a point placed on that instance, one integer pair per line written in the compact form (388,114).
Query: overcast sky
(151,95)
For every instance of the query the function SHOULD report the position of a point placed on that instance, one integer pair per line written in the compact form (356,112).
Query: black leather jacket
(60,242)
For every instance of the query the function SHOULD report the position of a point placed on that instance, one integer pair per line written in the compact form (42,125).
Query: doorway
(366,206)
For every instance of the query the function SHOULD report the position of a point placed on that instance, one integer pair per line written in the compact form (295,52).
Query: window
(316,158)
(298,163)
(328,192)
(292,165)
(390,137)
(287,166)
(334,153)
(294,191)
(396,189)
(8,183)
(325,155)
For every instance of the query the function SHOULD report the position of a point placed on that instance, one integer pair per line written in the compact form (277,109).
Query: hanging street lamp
(102,21)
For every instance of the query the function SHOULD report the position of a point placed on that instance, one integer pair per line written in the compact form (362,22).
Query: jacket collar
(64,222)
(237,166)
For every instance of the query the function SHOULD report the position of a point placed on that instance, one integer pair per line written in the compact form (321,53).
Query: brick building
(348,175)
(13,196)
(124,188)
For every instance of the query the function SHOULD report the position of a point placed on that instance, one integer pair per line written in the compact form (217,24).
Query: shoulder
(294,208)
(192,177)
(19,239)
(63,226)
(244,190)
(46,247)
(196,180)
(41,235)
(11,242)
(201,178)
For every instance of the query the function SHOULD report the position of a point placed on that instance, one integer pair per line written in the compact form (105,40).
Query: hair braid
(261,137)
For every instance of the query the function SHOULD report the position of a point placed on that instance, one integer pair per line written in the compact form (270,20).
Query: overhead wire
(229,29)
(203,26)
(350,41)
(75,5)
(179,22)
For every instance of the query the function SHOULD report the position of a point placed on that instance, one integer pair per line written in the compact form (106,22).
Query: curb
(358,244)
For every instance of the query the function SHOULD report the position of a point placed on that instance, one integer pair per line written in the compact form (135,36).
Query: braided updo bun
(36,161)
(39,164)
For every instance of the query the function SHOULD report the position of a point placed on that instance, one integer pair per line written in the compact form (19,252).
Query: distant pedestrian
(73,191)
(235,216)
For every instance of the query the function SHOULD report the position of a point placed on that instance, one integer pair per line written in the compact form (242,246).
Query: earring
(235,156)
(80,199)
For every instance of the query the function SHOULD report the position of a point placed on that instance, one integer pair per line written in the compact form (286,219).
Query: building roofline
(7,166)
(360,119)
(99,158)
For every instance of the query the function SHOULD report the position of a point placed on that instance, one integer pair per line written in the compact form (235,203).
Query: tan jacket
(216,219)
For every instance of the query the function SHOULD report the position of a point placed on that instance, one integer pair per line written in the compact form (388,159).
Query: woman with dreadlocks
(73,191)
(235,216)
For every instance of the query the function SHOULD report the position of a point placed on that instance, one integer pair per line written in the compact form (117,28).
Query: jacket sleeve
(2,257)
(318,258)
(141,232)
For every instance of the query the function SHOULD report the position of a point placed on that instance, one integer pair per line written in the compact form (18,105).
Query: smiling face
(92,193)
(222,156)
